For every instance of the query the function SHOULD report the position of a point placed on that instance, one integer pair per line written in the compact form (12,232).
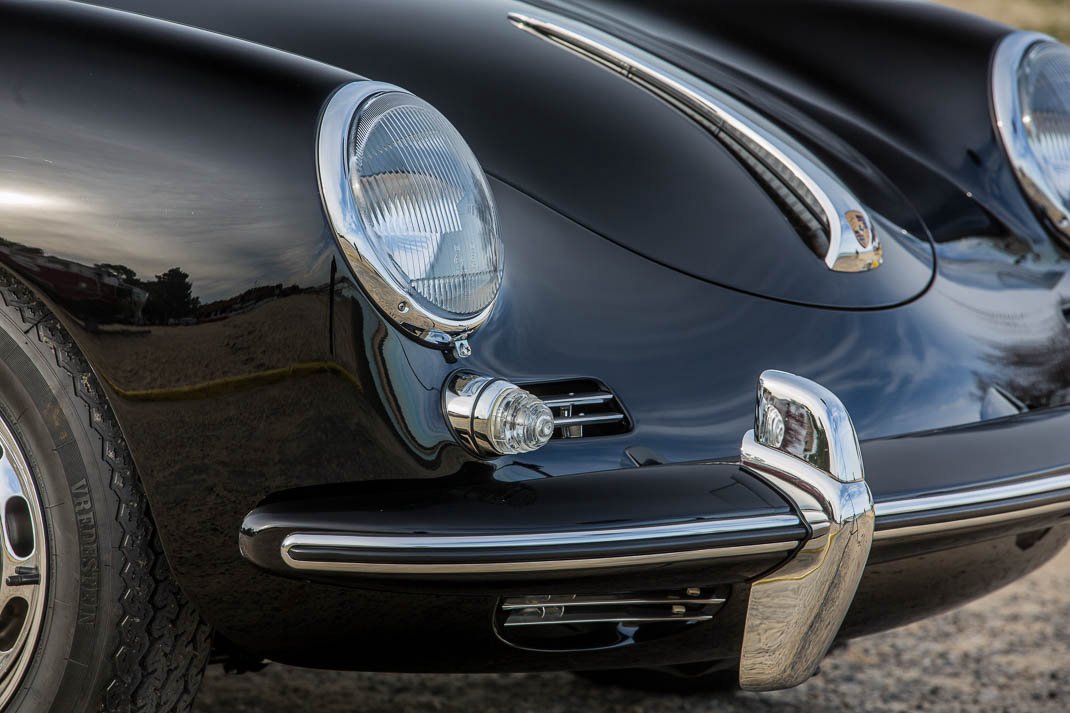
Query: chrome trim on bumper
(292,549)
(949,526)
(992,505)
(996,496)
(307,551)
(549,539)
(1038,485)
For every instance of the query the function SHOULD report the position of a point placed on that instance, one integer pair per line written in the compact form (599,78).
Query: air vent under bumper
(590,621)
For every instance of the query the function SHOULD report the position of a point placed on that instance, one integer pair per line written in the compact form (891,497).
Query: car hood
(595,147)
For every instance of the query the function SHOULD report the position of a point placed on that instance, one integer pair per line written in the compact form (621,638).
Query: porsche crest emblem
(860,226)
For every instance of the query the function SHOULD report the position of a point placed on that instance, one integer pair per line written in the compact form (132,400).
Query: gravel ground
(1006,653)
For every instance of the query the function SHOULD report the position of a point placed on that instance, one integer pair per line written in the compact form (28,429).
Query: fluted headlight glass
(425,205)
(1031,101)
(1044,89)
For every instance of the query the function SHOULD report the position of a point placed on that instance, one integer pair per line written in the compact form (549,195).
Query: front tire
(114,632)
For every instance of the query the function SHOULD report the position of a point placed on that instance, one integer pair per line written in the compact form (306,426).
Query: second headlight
(1031,100)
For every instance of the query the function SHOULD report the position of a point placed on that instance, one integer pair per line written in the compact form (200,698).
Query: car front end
(534,336)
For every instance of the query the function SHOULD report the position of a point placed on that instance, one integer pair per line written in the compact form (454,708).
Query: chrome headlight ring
(380,274)
(1016,128)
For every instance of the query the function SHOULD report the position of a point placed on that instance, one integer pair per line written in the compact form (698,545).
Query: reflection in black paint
(108,293)
(100,293)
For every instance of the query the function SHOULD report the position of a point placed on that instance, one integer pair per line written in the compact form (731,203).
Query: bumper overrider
(794,520)
(796,611)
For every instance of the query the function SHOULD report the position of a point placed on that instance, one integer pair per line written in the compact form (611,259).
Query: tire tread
(164,644)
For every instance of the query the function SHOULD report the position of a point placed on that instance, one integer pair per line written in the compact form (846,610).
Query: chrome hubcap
(23,565)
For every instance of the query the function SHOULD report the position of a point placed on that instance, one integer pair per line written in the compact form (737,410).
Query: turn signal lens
(519,422)
(494,417)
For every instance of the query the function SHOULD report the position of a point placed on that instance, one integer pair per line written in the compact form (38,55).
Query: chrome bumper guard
(804,445)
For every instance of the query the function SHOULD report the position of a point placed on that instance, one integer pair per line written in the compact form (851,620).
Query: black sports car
(509,336)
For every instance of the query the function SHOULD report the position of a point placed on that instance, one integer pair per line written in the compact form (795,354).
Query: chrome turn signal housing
(493,417)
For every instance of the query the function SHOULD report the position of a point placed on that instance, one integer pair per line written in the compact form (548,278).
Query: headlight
(1031,99)
(412,210)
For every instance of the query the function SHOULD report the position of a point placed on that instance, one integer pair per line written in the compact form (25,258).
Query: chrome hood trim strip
(811,193)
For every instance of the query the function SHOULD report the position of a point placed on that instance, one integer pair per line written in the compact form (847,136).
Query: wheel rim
(23,565)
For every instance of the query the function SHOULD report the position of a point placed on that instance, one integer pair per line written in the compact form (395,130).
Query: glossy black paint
(1012,448)
(901,588)
(162,147)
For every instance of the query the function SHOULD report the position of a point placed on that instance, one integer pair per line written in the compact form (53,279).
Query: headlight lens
(425,203)
(1031,85)
(412,210)
(1044,89)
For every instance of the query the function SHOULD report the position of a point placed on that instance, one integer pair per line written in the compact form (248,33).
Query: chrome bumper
(897,520)
(803,446)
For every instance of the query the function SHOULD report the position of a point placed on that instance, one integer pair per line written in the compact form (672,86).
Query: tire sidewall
(52,425)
